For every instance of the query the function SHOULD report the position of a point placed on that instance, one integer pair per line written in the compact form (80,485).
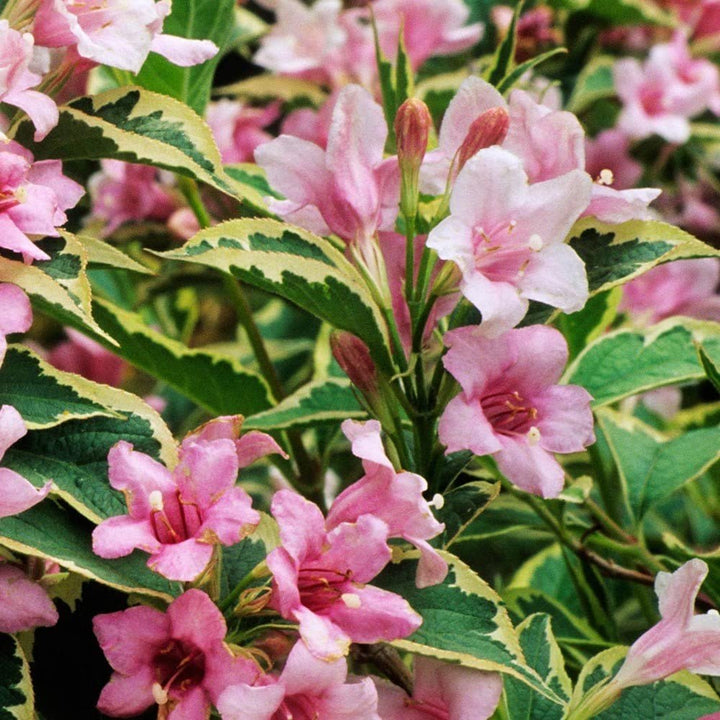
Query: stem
(608,523)
(258,572)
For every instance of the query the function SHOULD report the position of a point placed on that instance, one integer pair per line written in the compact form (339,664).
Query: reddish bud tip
(353,357)
(412,128)
(488,128)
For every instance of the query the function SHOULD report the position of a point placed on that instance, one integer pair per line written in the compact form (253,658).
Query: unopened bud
(353,357)
(412,129)
(252,601)
(488,128)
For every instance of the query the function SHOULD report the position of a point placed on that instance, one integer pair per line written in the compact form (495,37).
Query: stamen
(438,501)
(155,499)
(535,242)
(160,695)
(606,177)
(533,435)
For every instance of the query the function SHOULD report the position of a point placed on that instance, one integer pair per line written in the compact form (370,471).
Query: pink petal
(254,445)
(23,603)
(16,314)
(323,637)
(183,51)
(12,426)
(183,561)
(359,547)
(194,618)
(463,426)
(131,638)
(243,702)
(530,467)
(127,696)
(206,470)
(119,536)
(305,674)
(566,421)
(230,519)
(302,525)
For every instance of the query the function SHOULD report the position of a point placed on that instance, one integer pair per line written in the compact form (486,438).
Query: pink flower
(33,200)
(176,658)
(430,27)
(15,314)
(348,189)
(79,354)
(177,516)
(396,498)
(319,579)
(307,688)
(238,128)
(118,33)
(510,406)
(124,192)
(441,690)
(681,640)
(610,150)
(16,79)
(507,237)
(24,604)
(16,493)
(660,95)
(682,287)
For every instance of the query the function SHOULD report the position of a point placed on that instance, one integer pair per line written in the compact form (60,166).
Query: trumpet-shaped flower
(118,33)
(348,189)
(176,659)
(394,497)
(510,406)
(660,95)
(176,516)
(16,79)
(307,688)
(15,314)
(681,640)
(33,200)
(507,237)
(441,690)
(16,493)
(24,604)
(320,579)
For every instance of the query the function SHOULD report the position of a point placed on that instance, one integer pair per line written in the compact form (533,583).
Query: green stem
(258,572)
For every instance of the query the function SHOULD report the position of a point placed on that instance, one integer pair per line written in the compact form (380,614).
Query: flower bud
(488,128)
(353,356)
(412,128)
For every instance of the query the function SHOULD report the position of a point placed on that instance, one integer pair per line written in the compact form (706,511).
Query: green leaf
(652,466)
(102,254)
(219,383)
(296,265)
(504,59)
(199,19)
(135,125)
(317,402)
(680,697)
(464,621)
(543,655)
(631,12)
(614,254)
(582,327)
(594,82)
(507,83)
(462,505)
(709,355)
(17,701)
(628,362)
(58,287)
(70,447)
(58,535)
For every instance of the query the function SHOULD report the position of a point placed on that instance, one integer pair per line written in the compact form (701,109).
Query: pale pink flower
(508,238)
(24,604)
(179,516)
(320,579)
(16,79)
(394,497)
(682,287)
(309,124)
(316,43)
(176,659)
(79,354)
(126,192)
(660,95)
(307,688)
(15,314)
(610,150)
(349,189)
(511,406)
(430,27)
(118,33)
(441,690)
(681,640)
(33,200)
(238,128)
(16,493)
